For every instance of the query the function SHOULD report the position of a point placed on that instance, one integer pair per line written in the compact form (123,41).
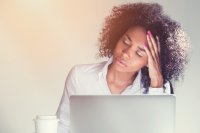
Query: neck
(120,78)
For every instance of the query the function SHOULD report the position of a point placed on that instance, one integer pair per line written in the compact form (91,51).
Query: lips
(121,62)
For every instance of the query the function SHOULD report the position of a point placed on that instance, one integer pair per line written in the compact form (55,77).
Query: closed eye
(126,42)
(139,53)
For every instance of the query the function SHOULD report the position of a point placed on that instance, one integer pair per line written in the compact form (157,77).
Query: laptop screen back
(122,114)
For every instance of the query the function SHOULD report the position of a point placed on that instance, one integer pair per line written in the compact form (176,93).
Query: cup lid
(46,117)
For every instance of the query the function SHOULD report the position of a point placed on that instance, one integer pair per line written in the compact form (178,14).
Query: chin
(121,69)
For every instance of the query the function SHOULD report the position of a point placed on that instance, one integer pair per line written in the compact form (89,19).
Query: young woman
(147,53)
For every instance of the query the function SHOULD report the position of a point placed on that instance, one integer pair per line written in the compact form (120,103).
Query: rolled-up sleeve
(161,90)
(63,112)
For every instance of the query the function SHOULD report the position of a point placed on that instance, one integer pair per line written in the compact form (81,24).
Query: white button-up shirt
(90,79)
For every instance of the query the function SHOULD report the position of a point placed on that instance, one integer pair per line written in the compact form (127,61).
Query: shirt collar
(136,83)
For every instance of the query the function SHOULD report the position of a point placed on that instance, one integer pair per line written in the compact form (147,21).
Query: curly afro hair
(173,40)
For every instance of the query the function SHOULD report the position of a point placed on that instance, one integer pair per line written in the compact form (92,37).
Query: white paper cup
(46,124)
(46,117)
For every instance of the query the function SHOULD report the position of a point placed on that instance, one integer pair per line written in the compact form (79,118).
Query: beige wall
(40,40)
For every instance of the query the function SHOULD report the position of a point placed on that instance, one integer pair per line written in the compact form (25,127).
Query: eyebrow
(141,49)
(128,37)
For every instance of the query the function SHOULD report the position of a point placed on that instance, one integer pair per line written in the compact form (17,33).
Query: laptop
(122,113)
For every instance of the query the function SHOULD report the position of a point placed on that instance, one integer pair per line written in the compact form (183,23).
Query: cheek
(142,60)
(139,62)
(117,50)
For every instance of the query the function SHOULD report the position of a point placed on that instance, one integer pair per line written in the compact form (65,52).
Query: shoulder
(83,71)
(82,76)
(88,68)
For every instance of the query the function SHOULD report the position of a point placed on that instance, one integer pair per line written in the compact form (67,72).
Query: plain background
(40,40)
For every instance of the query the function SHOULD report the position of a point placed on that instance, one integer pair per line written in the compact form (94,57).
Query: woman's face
(129,54)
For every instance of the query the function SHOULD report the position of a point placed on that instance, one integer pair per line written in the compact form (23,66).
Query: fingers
(153,42)
(153,47)
(158,42)
(148,53)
